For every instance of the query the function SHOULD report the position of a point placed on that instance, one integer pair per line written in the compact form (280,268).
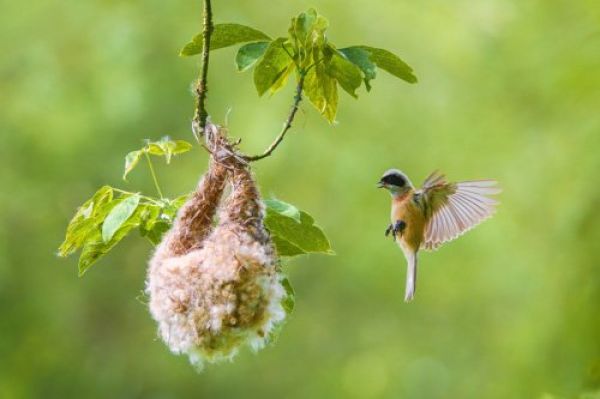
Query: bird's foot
(398,228)
(389,230)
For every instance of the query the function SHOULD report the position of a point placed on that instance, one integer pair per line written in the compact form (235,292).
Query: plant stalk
(153,175)
(201,114)
(287,125)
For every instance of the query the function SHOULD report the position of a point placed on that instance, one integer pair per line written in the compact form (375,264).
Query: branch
(200,114)
(286,126)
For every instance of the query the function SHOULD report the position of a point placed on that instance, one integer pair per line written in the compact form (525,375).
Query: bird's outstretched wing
(454,208)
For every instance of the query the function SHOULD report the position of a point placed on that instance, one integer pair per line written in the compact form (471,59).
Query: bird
(438,212)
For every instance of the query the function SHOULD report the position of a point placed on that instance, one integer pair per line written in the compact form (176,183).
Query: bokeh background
(509,89)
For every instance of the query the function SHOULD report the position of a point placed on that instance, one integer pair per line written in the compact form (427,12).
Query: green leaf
(391,63)
(283,208)
(286,248)
(248,54)
(287,303)
(179,201)
(131,160)
(154,223)
(149,215)
(101,198)
(282,79)
(118,216)
(307,32)
(224,35)
(83,224)
(158,230)
(180,146)
(169,211)
(78,231)
(321,90)
(292,236)
(361,58)
(345,72)
(158,219)
(290,300)
(166,147)
(92,251)
(171,147)
(293,231)
(154,148)
(274,63)
(302,25)
(155,235)
(95,248)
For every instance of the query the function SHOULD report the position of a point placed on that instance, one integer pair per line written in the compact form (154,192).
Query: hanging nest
(215,288)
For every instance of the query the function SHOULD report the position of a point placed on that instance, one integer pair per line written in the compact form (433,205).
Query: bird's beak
(380,184)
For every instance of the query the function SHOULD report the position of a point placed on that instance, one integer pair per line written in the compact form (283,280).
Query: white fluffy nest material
(214,289)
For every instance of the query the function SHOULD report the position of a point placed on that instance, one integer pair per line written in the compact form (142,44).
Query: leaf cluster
(111,214)
(164,147)
(307,53)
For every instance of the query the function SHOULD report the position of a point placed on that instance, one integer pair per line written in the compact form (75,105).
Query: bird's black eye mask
(394,180)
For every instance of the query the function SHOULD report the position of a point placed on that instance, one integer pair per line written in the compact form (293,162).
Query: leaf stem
(153,175)
(314,64)
(200,114)
(288,122)
(291,56)
(145,197)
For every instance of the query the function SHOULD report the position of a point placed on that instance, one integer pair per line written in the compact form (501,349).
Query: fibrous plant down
(214,288)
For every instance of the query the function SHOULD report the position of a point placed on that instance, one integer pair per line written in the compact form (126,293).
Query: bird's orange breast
(405,209)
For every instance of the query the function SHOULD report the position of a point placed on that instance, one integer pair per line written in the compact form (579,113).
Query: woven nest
(216,287)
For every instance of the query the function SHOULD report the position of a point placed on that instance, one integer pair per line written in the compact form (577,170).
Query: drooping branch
(201,114)
(287,125)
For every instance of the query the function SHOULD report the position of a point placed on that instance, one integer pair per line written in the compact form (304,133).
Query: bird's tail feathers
(411,277)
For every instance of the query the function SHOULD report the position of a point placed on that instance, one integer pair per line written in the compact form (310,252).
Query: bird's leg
(389,230)
(398,228)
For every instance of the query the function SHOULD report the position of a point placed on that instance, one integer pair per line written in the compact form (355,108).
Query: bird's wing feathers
(454,208)
(434,179)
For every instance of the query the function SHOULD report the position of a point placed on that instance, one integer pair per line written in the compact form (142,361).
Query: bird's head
(395,181)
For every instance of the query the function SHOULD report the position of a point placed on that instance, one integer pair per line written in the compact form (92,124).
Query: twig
(200,114)
(286,126)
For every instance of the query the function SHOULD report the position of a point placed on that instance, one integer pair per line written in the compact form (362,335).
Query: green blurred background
(509,89)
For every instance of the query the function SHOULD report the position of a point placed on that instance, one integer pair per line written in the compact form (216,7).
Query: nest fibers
(216,288)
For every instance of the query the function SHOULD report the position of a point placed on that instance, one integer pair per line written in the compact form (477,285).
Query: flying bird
(436,213)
